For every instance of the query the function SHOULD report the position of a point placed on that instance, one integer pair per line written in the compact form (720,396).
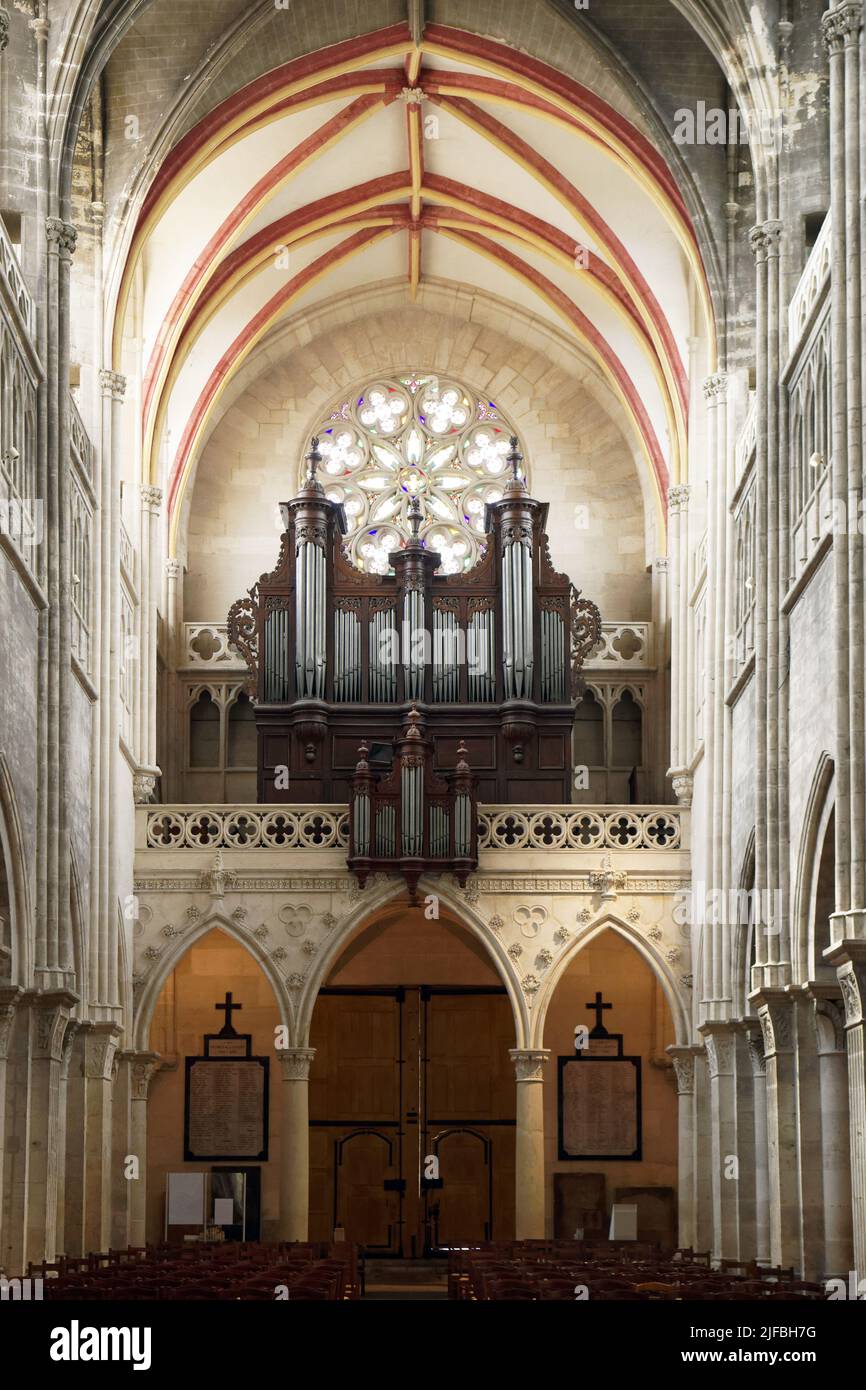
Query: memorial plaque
(600,1097)
(226,1097)
(226,1111)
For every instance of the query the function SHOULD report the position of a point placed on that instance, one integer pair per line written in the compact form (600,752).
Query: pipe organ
(476,671)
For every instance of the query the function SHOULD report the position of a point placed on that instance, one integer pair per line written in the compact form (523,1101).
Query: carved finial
(415,517)
(413,721)
(462,754)
(514,459)
(362,764)
(313,459)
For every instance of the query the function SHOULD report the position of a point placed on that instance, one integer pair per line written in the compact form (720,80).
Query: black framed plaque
(225,1115)
(599,1103)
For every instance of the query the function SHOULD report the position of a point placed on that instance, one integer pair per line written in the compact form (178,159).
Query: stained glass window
(420,436)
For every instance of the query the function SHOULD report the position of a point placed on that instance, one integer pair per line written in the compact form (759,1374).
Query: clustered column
(842,28)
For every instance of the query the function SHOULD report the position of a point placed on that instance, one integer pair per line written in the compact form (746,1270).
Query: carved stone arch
(378,895)
(153,985)
(20,967)
(674,994)
(820,806)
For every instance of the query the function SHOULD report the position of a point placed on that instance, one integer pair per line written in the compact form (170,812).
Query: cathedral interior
(433,660)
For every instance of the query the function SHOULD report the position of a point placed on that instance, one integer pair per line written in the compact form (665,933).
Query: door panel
(370,1213)
(470,1109)
(400,1074)
(464,1205)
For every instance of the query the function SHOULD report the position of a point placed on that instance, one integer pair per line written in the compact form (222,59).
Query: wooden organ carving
(480,670)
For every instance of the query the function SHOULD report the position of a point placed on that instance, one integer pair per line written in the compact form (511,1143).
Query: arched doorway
(188,1016)
(412,1105)
(611,1128)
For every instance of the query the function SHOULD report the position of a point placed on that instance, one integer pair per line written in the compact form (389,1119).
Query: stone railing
(623,647)
(580,827)
(499,827)
(810,288)
(246,827)
(206,646)
(14,284)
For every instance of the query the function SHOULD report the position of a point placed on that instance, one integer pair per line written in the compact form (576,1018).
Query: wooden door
(401,1074)
(469,1115)
(356,1140)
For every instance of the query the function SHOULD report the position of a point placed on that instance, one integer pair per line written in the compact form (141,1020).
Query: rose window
(416,436)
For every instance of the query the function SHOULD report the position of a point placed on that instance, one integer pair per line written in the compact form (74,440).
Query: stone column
(9,997)
(850,959)
(66,1060)
(661,750)
(684,1067)
(173,725)
(99,1072)
(103,987)
(529,1206)
(720,1039)
(49,1017)
(143,1066)
(775,1015)
(678,542)
(838,1251)
(755,1039)
(295,1143)
(151,503)
(809,1128)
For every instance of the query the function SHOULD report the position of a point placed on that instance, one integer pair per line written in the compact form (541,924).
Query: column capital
(852,981)
(62,237)
(683,1059)
(678,497)
(4,29)
(100,1048)
(660,564)
(144,782)
(529,1062)
(755,1042)
(151,498)
(143,1066)
(720,1042)
(173,569)
(840,27)
(296,1062)
(715,387)
(683,784)
(775,1018)
(52,1010)
(764,239)
(112,384)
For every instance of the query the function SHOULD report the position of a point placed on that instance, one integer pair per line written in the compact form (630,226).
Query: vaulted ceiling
(444,157)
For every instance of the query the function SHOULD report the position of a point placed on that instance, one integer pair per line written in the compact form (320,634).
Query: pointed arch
(79,936)
(216,919)
(677,1003)
(741,954)
(373,900)
(18,881)
(816,820)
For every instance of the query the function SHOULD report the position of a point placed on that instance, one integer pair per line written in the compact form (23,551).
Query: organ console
(414,694)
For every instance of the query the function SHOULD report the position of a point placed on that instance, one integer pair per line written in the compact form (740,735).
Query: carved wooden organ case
(489,659)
